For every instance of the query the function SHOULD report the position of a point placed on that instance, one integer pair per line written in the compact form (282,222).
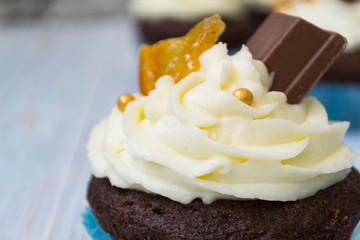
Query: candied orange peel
(177,57)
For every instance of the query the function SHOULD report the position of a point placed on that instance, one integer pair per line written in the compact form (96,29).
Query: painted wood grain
(19,43)
(43,114)
(119,76)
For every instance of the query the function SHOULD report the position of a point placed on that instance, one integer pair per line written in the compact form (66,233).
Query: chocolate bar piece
(297,52)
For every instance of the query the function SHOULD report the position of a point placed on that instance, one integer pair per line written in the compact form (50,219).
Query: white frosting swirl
(194,139)
(185,9)
(334,15)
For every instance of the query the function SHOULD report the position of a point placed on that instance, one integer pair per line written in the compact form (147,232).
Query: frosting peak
(194,139)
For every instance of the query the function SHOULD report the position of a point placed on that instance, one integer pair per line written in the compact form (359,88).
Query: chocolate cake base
(332,213)
(236,33)
(345,69)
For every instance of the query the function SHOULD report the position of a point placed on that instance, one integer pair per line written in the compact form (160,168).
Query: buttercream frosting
(185,9)
(194,139)
(334,15)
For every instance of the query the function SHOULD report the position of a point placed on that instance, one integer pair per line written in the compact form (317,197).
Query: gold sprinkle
(123,100)
(244,95)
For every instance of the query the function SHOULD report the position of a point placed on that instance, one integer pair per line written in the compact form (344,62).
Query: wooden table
(58,78)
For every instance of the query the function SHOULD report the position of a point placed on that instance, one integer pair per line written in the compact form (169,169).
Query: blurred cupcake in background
(339,89)
(160,19)
(260,9)
(339,16)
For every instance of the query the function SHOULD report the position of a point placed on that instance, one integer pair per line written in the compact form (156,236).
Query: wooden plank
(119,76)
(19,43)
(44,110)
(80,8)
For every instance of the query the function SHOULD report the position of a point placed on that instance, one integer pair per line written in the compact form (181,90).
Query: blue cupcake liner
(356,234)
(95,231)
(341,100)
(92,226)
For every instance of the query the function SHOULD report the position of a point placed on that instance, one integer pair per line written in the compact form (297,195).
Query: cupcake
(160,19)
(214,154)
(342,81)
(260,9)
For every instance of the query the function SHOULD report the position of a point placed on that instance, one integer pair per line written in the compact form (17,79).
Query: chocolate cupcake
(215,154)
(338,16)
(160,19)
(342,80)
(328,215)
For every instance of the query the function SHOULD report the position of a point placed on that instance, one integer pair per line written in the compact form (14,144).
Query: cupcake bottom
(345,68)
(92,226)
(128,214)
(236,33)
(97,233)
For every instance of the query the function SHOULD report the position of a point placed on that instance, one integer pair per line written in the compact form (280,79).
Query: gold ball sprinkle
(123,100)
(244,95)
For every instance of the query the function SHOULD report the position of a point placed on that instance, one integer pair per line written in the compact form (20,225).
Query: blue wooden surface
(58,78)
